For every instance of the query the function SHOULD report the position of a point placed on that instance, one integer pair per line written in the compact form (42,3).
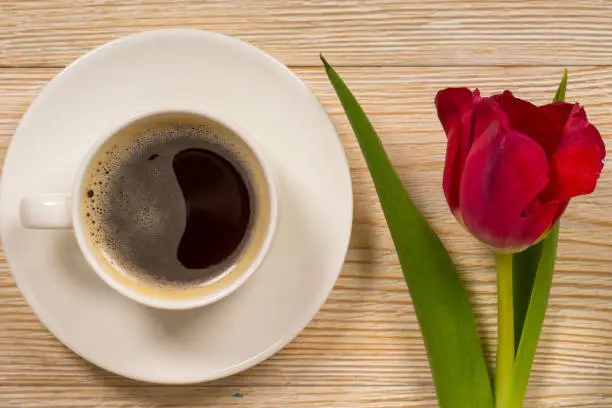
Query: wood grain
(352,32)
(269,397)
(364,348)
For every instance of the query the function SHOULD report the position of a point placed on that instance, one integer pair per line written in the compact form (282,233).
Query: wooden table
(364,348)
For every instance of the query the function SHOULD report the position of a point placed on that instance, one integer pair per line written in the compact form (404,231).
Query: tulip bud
(511,167)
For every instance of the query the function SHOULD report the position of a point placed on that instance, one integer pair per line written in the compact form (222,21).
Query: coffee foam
(138,242)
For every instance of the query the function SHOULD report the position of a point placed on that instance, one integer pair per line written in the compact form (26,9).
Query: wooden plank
(367,334)
(271,397)
(350,32)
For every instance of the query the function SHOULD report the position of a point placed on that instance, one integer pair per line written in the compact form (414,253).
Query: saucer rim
(48,320)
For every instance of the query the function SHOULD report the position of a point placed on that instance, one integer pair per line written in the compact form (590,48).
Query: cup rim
(149,300)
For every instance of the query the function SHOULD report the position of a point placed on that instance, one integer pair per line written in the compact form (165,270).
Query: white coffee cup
(65,211)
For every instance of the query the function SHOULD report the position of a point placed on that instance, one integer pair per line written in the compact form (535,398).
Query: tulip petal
(504,173)
(578,161)
(528,119)
(455,107)
(487,112)
(557,114)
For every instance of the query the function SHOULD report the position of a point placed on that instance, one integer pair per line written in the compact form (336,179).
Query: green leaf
(524,268)
(560,95)
(532,279)
(534,318)
(440,300)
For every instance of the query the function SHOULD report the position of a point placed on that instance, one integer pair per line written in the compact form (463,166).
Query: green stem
(505,331)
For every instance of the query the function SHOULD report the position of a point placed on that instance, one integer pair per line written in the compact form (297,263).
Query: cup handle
(46,212)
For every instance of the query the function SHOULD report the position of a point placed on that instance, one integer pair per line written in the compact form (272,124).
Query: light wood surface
(354,32)
(364,348)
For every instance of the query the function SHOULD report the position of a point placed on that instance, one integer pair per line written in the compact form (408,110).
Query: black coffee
(169,205)
(217,205)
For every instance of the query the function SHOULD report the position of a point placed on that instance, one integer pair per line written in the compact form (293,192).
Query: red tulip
(511,167)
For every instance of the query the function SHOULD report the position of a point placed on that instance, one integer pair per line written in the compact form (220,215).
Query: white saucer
(174,70)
